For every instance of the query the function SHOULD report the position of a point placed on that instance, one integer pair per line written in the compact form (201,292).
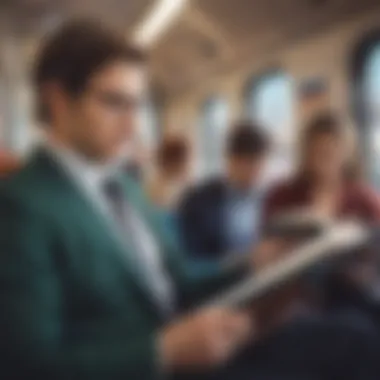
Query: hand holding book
(336,241)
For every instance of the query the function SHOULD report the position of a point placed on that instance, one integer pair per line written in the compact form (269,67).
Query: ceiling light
(162,14)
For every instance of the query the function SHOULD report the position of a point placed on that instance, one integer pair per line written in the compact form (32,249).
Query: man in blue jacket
(222,216)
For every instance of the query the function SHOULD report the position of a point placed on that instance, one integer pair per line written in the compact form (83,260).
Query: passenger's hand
(266,253)
(270,251)
(205,339)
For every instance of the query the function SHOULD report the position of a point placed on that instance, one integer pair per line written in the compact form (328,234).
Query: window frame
(254,82)
(205,111)
(251,88)
(361,55)
(154,109)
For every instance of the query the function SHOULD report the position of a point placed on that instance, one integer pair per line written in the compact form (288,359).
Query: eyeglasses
(115,101)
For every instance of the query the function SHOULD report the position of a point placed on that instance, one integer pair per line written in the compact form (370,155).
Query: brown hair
(173,151)
(74,53)
(328,123)
(247,139)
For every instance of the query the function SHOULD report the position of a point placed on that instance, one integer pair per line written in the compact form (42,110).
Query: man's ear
(54,99)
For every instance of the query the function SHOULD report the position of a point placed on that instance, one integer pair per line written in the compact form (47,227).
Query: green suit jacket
(71,304)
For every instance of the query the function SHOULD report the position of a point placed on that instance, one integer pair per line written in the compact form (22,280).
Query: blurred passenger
(171,174)
(328,183)
(223,215)
(90,283)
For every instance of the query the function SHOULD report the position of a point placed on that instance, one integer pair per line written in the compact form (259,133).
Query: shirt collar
(80,169)
(249,193)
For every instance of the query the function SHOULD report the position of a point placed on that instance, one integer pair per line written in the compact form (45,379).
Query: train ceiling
(210,35)
(33,17)
(215,35)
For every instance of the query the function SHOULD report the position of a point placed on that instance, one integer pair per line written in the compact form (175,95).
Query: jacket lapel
(104,229)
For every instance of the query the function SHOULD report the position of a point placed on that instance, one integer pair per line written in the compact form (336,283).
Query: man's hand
(205,339)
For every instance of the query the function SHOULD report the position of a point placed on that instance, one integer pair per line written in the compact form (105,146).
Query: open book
(337,240)
(298,223)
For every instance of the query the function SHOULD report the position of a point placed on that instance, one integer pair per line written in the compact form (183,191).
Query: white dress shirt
(90,179)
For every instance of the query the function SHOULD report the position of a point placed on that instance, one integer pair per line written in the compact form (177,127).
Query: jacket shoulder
(19,184)
(28,189)
(205,190)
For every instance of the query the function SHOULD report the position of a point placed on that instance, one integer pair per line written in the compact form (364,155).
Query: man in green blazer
(91,286)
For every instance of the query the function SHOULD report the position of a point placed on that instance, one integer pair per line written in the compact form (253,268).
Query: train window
(213,124)
(149,123)
(371,98)
(270,102)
